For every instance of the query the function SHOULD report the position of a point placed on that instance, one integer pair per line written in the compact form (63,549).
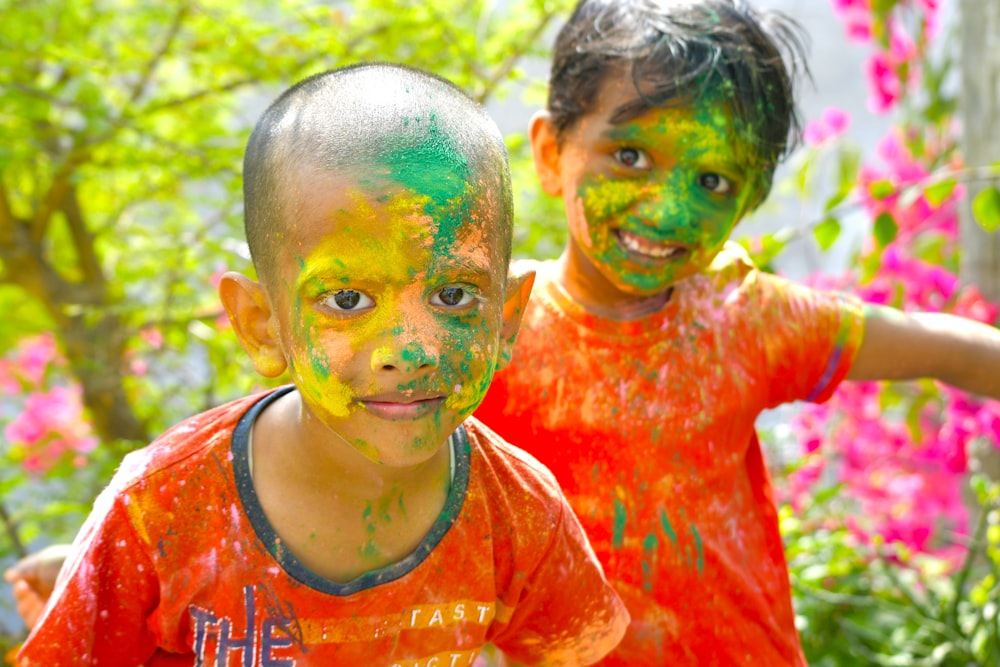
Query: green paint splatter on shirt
(667,528)
(618,529)
(697,543)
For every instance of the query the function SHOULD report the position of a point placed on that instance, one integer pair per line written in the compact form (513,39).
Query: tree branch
(58,190)
(505,68)
(10,526)
(6,216)
(147,72)
(83,242)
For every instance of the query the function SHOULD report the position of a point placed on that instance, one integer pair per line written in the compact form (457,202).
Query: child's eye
(452,297)
(715,183)
(349,299)
(632,157)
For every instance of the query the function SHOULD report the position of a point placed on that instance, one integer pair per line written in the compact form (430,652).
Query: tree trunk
(980,109)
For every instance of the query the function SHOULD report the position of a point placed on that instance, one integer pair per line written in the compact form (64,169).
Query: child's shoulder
(539,266)
(508,467)
(733,261)
(185,443)
(732,279)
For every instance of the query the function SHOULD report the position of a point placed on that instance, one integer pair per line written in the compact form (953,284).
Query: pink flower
(902,49)
(832,123)
(884,85)
(973,305)
(931,18)
(9,385)
(33,357)
(51,425)
(216,277)
(857,18)
(152,336)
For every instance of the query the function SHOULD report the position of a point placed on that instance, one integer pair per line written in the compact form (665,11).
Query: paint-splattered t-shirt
(649,427)
(177,565)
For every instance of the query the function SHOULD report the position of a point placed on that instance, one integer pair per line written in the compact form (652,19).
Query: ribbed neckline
(637,330)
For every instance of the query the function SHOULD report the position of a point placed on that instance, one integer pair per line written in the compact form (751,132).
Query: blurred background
(121,132)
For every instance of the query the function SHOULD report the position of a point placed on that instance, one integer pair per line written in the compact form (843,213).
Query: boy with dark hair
(358,516)
(651,345)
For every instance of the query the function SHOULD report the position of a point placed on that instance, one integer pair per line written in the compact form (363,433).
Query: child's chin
(646,286)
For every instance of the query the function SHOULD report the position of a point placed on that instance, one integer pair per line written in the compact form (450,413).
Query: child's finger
(28,602)
(40,569)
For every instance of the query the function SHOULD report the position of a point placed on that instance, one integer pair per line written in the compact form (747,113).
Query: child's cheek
(605,199)
(468,368)
(316,377)
(318,368)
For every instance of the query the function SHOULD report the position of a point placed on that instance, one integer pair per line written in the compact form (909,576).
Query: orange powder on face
(382,250)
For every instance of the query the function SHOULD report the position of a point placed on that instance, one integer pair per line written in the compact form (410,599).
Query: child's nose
(406,357)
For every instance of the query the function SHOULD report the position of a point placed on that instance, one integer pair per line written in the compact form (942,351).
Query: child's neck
(597,295)
(341,514)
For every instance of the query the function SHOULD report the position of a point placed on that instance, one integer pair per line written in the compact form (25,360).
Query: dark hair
(676,51)
(362,117)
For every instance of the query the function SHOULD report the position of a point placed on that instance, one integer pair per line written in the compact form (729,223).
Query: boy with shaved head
(358,516)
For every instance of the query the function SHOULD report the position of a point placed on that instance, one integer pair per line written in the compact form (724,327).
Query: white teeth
(643,247)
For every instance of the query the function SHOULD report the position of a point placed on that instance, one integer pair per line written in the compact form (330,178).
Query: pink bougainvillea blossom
(857,18)
(900,451)
(152,336)
(832,123)
(885,87)
(51,424)
(9,384)
(903,177)
(902,48)
(32,357)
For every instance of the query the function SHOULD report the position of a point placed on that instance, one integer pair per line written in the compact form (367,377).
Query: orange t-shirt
(649,427)
(177,565)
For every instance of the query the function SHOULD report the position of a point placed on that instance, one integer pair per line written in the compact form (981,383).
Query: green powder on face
(438,169)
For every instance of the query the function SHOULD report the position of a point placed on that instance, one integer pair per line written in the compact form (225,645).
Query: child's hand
(33,578)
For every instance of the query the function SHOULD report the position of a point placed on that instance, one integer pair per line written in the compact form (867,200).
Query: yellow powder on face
(329,392)
(468,394)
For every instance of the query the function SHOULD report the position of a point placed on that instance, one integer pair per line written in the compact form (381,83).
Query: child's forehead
(629,111)
(373,205)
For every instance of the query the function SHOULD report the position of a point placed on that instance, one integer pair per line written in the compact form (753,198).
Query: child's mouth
(402,408)
(640,245)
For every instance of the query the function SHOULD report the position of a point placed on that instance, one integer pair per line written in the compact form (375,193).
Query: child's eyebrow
(476,264)
(319,271)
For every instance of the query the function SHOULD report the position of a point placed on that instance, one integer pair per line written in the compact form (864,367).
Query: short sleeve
(106,591)
(811,339)
(568,613)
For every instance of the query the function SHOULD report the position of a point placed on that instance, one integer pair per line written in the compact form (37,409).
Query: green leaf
(847,175)
(986,208)
(827,232)
(881,189)
(939,192)
(885,229)
(763,249)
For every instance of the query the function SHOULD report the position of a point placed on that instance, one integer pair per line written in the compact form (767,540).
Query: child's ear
(249,311)
(515,301)
(545,151)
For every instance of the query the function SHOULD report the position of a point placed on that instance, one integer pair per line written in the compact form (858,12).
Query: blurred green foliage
(860,604)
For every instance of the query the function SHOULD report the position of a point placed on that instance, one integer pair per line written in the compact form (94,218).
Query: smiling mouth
(401,408)
(640,245)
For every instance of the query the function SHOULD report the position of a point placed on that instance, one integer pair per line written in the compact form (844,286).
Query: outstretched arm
(907,346)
